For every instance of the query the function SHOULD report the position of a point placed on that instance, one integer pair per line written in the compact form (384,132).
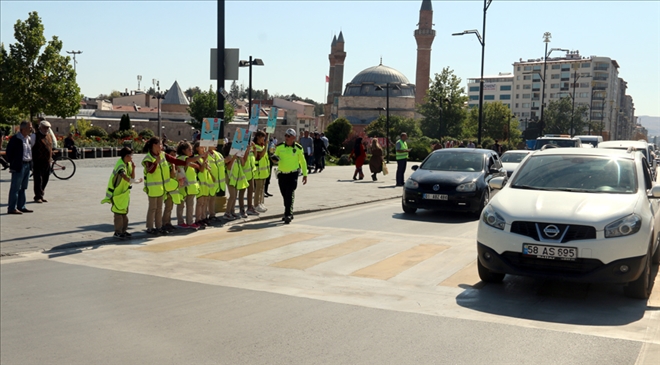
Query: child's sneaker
(153,231)
(260,208)
(243,215)
(194,226)
(118,235)
(229,217)
(183,225)
(127,235)
(252,212)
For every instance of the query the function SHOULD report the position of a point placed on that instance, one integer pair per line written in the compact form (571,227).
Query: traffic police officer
(290,158)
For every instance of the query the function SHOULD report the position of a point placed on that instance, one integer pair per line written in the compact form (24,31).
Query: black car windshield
(449,161)
(593,174)
(513,157)
(556,142)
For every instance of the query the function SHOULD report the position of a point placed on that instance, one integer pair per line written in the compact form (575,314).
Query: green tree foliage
(192,91)
(36,81)
(443,112)
(498,124)
(398,125)
(338,131)
(83,126)
(204,105)
(96,131)
(125,123)
(146,133)
(233,90)
(557,117)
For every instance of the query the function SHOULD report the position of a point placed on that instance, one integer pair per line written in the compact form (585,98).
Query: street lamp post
(74,53)
(159,96)
(576,77)
(546,40)
(256,62)
(387,115)
(482,40)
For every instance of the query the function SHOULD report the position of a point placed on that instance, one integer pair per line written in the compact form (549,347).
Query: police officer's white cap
(291,132)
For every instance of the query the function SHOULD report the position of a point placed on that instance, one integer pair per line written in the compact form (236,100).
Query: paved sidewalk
(74,217)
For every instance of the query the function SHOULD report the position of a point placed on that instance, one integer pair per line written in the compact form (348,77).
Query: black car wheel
(641,288)
(488,276)
(407,209)
(655,260)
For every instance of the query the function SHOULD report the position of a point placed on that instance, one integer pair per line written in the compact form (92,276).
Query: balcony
(600,78)
(564,89)
(600,87)
(601,68)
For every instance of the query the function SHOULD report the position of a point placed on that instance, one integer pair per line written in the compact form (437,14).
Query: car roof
(519,151)
(586,152)
(464,150)
(559,138)
(611,144)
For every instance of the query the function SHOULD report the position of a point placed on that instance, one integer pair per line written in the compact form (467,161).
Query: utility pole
(74,53)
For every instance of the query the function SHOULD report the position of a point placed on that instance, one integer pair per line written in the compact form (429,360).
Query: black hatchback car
(452,179)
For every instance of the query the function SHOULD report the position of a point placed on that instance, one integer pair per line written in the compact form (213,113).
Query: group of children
(190,177)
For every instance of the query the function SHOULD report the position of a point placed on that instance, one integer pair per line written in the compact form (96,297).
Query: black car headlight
(492,218)
(467,187)
(411,184)
(624,226)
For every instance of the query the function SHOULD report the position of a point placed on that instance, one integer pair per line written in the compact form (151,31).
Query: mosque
(364,98)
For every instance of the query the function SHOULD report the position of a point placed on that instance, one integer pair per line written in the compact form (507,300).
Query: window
(517,105)
(508,106)
(474,88)
(586,65)
(505,97)
(565,67)
(472,105)
(556,67)
(583,95)
(474,97)
(524,114)
(527,68)
(518,69)
(527,87)
(518,77)
(552,96)
(526,105)
(527,96)
(585,74)
(554,86)
(517,87)
(565,74)
(536,77)
(489,97)
(527,77)
(505,87)
(517,96)
(536,85)
(535,104)
(537,68)
(564,85)
(554,76)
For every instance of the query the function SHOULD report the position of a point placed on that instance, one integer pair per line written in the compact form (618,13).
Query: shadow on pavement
(254,226)
(555,301)
(435,217)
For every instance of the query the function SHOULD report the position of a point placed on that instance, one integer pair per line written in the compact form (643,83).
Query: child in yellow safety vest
(236,181)
(188,187)
(249,170)
(172,193)
(119,189)
(262,170)
(217,169)
(205,185)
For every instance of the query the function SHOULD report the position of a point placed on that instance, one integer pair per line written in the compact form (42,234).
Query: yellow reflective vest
(154,183)
(205,181)
(249,167)
(217,165)
(263,165)
(236,176)
(118,191)
(190,186)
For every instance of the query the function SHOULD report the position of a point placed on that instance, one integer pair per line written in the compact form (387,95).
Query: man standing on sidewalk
(401,158)
(19,155)
(42,153)
(290,159)
(307,144)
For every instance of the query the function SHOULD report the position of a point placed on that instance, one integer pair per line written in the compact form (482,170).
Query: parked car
(512,158)
(587,215)
(454,179)
(557,142)
(641,146)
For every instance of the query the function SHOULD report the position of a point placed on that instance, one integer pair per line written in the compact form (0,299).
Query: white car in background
(641,146)
(511,159)
(588,215)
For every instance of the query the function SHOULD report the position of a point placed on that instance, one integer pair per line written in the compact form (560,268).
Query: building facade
(496,88)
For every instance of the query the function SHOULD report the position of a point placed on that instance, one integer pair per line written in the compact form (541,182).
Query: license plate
(550,252)
(436,196)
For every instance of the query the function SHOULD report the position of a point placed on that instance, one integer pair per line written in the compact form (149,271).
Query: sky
(171,40)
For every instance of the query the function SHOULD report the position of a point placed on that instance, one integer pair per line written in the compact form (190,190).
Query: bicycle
(62,168)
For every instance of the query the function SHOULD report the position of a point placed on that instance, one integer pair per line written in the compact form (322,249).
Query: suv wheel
(641,288)
(655,260)
(488,276)
(407,209)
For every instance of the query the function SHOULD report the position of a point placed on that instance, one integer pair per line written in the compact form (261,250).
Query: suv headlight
(492,218)
(467,187)
(411,184)
(624,226)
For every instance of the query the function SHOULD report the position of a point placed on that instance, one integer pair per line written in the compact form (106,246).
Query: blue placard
(210,132)
(240,143)
(272,120)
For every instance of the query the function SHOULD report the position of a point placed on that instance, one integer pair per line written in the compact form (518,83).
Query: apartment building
(593,81)
(496,88)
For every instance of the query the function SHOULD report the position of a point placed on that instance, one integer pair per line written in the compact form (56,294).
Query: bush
(96,131)
(125,123)
(122,134)
(344,160)
(146,133)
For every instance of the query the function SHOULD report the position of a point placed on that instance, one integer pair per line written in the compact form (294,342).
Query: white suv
(587,215)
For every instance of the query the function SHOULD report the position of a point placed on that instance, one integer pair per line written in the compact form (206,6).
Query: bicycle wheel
(63,168)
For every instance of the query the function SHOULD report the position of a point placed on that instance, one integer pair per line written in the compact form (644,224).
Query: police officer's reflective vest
(263,165)
(154,183)
(190,185)
(401,145)
(291,158)
(217,165)
(236,176)
(118,192)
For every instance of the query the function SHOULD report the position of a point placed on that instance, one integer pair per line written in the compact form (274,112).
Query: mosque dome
(365,82)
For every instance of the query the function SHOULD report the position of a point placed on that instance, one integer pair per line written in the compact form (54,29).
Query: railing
(601,68)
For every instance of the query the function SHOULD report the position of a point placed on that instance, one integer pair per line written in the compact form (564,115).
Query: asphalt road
(361,285)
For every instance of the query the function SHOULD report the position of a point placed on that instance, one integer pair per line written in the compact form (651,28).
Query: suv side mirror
(655,192)
(497,182)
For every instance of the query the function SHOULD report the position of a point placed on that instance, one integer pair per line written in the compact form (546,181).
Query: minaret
(340,55)
(424,36)
(331,75)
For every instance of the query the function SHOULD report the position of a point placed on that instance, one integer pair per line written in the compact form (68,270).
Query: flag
(327,79)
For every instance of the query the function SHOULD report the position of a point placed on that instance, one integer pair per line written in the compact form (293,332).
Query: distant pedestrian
(402,151)
(376,161)
(497,148)
(290,158)
(70,144)
(262,171)
(19,156)
(359,155)
(319,153)
(3,162)
(119,189)
(436,146)
(325,140)
(42,157)
(307,144)
(471,144)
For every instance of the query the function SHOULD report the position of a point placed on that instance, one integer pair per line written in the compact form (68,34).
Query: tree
(443,111)
(233,90)
(34,81)
(499,123)
(192,91)
(125,123)
(204,105)
(114,94)
(557,117)
(398,125)
(338,131)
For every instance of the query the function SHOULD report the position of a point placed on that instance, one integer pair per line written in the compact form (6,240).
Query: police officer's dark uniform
(290,159)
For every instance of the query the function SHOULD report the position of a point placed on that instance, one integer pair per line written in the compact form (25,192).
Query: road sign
(231,63)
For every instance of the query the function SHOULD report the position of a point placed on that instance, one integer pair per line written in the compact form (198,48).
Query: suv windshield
(513,157)
(557,142)
(592,174)
(448,161)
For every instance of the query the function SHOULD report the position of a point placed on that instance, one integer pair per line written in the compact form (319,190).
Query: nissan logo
(436,187)
(551,230)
